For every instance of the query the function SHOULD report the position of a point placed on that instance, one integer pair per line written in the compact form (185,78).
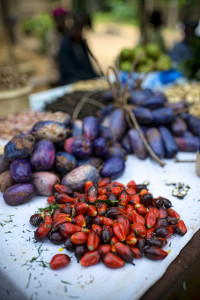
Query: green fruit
(140,54)
(153,50)
(127,54)
(163,63)
(126,66)
(146,67)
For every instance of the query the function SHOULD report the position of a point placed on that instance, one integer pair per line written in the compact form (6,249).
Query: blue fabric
(153,79)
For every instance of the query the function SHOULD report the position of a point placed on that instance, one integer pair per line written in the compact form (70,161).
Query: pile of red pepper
(112,223)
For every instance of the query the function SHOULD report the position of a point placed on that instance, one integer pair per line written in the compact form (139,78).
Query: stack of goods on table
(73,151)
(189,91)
(107,222)
(13,124)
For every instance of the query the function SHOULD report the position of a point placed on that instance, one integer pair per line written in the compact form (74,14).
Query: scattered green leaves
(50,208)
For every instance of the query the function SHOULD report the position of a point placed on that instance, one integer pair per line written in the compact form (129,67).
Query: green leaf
(49,208)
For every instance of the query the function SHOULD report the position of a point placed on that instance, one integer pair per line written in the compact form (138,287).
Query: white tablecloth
(22,271)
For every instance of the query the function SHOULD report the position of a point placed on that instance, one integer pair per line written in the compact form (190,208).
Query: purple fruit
(161,95)
(138,96)
(137,144)
(93,161)
(170,145)
(79,146)
(100,147)
(153,102)
(177,106)
(106,132)
(187,133)
(65,162)
(20,170)
(106,121)
(19,193)
(125,142)
(77,178)
(20,146)
(51,130)
(116,151)
(188,144)
(155,141)
(143,115)
(44,182)
(106,111)
(77,127)
(43,156)
(118,123)
(113,167)
(193,124)
(91,126)
(178,126)
(162,116)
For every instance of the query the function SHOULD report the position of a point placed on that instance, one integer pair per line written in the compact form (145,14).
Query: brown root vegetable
(6,180)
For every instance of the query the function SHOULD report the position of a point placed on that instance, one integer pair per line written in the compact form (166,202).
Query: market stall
(24,268)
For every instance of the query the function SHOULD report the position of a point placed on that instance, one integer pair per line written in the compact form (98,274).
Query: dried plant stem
(128,78)
(137,127)
(114,87)
(82,101)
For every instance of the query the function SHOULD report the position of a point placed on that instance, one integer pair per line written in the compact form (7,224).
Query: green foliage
(39,26)
(123,10)
(191,67)
(120,11)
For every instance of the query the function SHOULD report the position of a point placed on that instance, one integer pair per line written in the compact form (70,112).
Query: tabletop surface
(24,271)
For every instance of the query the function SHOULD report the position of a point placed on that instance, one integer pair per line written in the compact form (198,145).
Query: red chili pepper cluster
(112,222)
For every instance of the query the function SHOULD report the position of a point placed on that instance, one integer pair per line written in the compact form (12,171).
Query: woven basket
(14,101)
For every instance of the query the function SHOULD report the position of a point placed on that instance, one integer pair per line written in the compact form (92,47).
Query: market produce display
(68,102)
(107,222)
(166,126)
(13,124)
(58,156)
(73,151)
(150,58)
(190,92)
(10,80)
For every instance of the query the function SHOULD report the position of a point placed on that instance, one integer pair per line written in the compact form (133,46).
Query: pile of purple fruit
(72,152)
(167,127)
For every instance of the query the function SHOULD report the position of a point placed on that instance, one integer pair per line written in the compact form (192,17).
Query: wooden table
(177,272)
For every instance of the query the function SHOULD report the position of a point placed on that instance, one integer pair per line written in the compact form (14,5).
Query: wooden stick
(128,78)
(82,101)
(113,89)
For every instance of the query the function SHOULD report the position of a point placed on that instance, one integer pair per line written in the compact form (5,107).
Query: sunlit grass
(107,17)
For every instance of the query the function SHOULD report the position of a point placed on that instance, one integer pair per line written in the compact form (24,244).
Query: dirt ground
(106,40)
